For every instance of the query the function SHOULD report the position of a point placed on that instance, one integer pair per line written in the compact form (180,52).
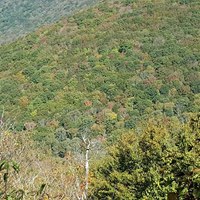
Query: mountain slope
(22,16)
(104,70)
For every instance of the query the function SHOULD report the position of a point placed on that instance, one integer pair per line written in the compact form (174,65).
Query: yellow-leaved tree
(162,162)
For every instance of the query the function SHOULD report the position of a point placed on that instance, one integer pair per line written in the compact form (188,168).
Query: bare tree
(87,143)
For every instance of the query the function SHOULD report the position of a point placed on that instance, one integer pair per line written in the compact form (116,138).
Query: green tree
(154,165)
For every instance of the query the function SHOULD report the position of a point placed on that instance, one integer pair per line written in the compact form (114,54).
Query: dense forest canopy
(104,69)
(20,17)
(121,74)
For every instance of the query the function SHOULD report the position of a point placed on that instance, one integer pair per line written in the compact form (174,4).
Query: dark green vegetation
(104,72)
(19,17)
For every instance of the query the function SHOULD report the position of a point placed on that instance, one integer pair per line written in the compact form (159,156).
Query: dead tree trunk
(87,168)
(87,143)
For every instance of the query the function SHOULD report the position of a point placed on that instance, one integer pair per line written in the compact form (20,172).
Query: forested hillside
(20,17)
(105,69)
(124,72)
